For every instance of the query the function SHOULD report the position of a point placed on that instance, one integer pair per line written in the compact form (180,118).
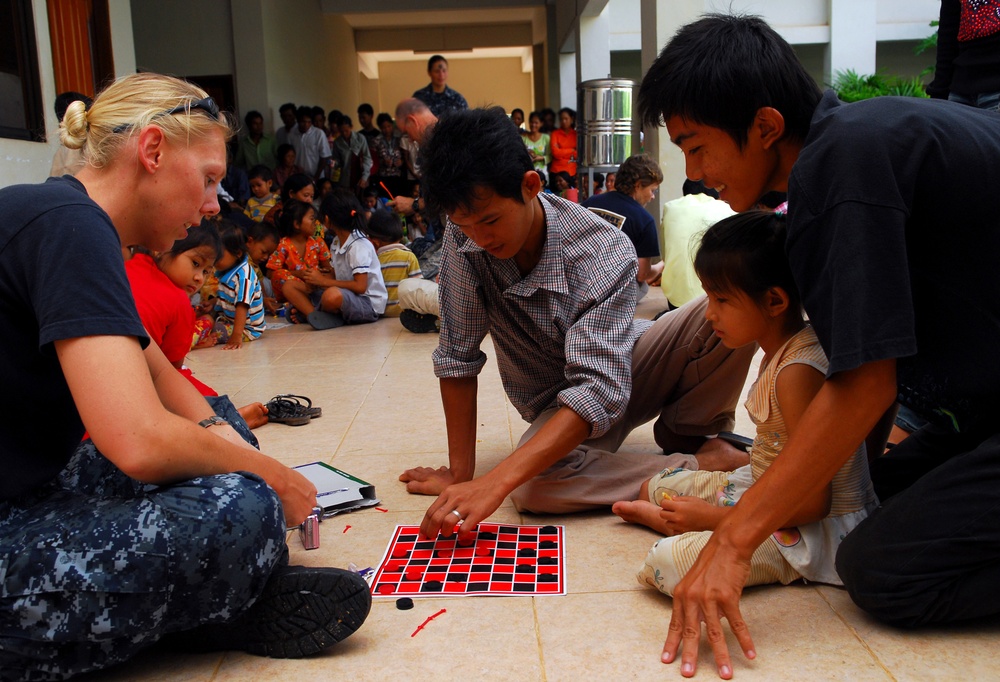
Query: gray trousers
(96,566)
(685,379)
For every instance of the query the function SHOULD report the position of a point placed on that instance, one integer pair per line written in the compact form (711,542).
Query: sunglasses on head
(206,104)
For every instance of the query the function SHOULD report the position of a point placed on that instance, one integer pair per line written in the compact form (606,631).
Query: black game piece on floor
(404,603)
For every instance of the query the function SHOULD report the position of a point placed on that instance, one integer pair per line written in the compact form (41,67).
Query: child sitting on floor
(240,302)
(355,293)
(162,285)
(753,298)
(299,187)
(262,240)
(385,230)
(262,199)
(298,251)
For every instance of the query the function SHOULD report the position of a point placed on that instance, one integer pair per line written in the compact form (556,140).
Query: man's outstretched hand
(427,481)
(708,593)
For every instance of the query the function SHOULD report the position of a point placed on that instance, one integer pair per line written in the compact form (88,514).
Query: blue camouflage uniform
(96,566)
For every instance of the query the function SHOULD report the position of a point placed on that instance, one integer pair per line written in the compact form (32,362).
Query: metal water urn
(604,121)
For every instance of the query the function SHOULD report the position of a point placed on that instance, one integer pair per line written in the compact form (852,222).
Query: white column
(249,54)
(660,20)
(852,37)
(593,47)
(567,80)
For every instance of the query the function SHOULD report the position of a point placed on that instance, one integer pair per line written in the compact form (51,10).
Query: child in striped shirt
(385,231)
(240,303)
(753,299)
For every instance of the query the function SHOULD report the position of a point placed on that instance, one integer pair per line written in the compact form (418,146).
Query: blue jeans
(984,100)
(95,566)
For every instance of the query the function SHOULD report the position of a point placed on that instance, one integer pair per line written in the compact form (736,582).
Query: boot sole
(302,612)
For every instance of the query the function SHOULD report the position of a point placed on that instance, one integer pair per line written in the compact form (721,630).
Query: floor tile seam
(538,639)
(857,635)
(218,667)
(361,404)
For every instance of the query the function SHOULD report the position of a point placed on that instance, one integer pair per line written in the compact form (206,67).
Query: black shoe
(418,323)
(302,611)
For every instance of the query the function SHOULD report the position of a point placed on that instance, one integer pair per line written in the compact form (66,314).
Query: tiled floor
(382,414)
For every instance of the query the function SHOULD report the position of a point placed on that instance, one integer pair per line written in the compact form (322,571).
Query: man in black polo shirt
(892,235)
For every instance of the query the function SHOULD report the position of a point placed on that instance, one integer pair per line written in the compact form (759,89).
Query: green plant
(852,87)
(926,44)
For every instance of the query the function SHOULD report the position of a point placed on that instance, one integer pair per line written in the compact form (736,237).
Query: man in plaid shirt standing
(554,286)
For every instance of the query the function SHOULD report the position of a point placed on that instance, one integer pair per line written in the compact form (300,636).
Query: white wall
(310,57)
(183,37)
(22,161)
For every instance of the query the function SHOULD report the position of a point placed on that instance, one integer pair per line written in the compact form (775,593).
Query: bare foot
(642,512)
(719,455)
(254,414)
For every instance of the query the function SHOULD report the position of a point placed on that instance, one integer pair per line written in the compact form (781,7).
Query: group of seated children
(319,270)
(346,282)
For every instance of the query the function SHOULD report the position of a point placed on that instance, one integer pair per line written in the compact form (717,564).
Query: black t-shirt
(893,237)
(630,217)
(61,276)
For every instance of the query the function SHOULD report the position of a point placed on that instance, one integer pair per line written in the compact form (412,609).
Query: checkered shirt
(563,334)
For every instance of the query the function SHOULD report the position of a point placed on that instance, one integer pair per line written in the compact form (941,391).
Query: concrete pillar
(593,47)
(660,20)
(852,38)
(249,54)
(567,81)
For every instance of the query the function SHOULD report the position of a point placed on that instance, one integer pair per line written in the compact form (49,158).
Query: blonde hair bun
(73,129)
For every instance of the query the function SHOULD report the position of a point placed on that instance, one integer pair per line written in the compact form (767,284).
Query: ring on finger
(456,513)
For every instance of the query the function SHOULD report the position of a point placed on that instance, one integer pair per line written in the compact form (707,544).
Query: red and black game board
(502,560)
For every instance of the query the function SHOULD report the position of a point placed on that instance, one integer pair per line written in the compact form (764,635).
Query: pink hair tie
(353,213)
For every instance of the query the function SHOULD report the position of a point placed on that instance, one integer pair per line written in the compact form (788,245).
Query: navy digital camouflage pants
(96,566)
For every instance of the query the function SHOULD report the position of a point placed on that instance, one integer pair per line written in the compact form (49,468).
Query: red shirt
(164,308)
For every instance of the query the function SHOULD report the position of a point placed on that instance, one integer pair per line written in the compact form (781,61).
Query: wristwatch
(212,421)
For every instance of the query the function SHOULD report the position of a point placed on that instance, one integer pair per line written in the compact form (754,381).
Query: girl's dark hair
(292,214)
(283,149)
(570,180)
(720,70)
(746,252)
(385,226)
(234,239)
(294,183)
(343,210)
(203,234)
(567,110)
(383,118)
